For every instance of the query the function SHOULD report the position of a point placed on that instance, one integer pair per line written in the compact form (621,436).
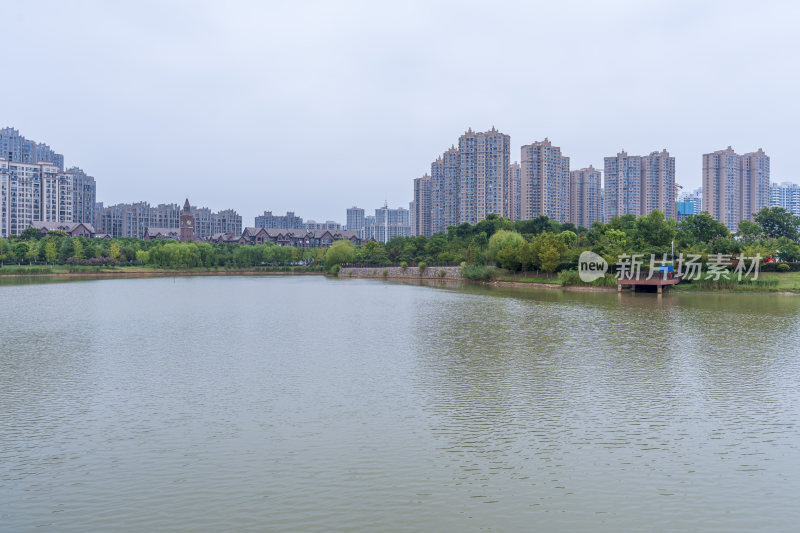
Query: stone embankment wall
(410,272)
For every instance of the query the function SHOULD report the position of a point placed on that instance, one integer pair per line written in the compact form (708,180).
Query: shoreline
(160,273)
(497,283)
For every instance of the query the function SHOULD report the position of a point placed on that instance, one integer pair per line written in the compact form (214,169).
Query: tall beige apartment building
(422,206)
(445,186)
(586,203)
(544,182)
(638,185)
(735,187)
(514,191)
(483,174)
(466,183)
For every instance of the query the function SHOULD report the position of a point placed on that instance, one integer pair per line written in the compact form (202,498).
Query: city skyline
(466,184)
(163,100)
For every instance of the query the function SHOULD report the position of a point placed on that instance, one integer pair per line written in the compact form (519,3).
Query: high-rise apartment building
(483,174)
(445,191)
(735,186)
(755,183)
(586,202)
(658,183)
(355,220)
(785,195)
(544,182)
(35,188)
(15,148)
(466,183)
(33,193)
(514,191)
(422,206)
(623,182)
(84,196)
(270,221)
(638,185)
(206,222)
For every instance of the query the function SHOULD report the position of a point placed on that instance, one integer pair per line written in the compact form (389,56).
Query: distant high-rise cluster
(327,225)
(287,221)
(133,220)
(785,195)
(690,203)
(468,183)
(735,186)
(34,187)
(386,224)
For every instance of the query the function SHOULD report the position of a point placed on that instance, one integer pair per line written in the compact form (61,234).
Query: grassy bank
(60,270)
(766,282)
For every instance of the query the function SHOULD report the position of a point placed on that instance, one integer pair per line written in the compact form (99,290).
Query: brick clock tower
(187,223)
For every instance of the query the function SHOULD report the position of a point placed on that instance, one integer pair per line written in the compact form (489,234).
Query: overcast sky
(317,106)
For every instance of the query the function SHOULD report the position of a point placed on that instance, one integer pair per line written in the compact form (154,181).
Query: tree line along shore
(538,250)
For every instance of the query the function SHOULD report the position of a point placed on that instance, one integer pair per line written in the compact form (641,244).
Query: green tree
(654,230)
(776,222)
(113,250)
(547,250)
(533,226)
(509,257)
(789,250)
(340,252)
(77,248)
(65,250)
(503,239)
(374,253)
(31,234)
(612,244)
(568,236)
(749,231)
(696,229)
(51,251)
(5,251)
(20,251)
(33,253)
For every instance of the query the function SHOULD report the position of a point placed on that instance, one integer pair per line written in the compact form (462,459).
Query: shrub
(404,265)
(783,267)
(385,272)
(334,269)
(442,273)
(422,267)
(479,272)
(776,267)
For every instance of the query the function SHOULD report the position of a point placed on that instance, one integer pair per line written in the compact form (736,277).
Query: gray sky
(317,106)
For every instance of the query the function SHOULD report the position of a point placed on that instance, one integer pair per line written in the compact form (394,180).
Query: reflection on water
(318,404)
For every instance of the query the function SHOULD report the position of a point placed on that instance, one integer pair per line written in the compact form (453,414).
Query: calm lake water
(313,404)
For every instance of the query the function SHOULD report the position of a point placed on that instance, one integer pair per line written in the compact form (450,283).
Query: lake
(301,403)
